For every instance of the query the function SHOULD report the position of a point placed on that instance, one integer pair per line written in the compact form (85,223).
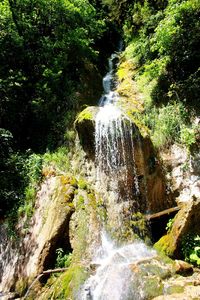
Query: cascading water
(114,141)
(114,278)
(116,169)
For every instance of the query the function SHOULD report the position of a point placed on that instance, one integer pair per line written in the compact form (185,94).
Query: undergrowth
(36,167)
(161,44)
(190,248)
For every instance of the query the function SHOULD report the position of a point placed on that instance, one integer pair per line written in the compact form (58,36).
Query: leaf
(194,257)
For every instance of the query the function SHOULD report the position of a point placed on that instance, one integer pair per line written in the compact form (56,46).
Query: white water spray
(114,141)
(115,163)
(114,278)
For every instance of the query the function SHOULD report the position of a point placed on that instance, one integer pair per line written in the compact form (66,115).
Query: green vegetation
(67,285)
(162,39)
(63,259)
(49,51)
(46,50)
(169,225)
(191,248)
(165,245)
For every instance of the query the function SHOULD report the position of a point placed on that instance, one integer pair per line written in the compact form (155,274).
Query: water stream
(114,278)
(114,151)
(115,164)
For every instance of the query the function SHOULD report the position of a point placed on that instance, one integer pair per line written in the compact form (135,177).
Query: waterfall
(116,170)
(114,146)
(114,278)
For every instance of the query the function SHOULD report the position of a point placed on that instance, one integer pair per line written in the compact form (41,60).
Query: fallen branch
(162,213)
(55,270)
(51,271)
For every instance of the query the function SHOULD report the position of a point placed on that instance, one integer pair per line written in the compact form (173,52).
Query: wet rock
(183,172)
(186,220)
(85,126)
(189,293)
(150,177)
(23,260)
(94,266)
(9,296)
(183,268)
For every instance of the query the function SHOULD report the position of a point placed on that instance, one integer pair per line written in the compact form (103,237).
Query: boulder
(35,252)
(150,177)
(85,126)
(186,220)
(183,170)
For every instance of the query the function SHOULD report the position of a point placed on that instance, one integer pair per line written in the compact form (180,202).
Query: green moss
(92,200)
(101,210)
(130,100)
(73,279)
(87,114)
(175,289)
(66,189)
(82,184)
(165,245)
(139,225)
(153,287)
(67,285)
(21,286)
(80,202)
(68,179)
(155,268)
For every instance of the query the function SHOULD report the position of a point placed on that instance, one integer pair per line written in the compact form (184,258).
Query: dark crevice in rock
(158,226)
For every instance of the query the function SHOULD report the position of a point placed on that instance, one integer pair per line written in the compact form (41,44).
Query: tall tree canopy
(43,48)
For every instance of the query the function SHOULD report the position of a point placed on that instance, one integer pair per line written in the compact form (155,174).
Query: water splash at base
(114,278)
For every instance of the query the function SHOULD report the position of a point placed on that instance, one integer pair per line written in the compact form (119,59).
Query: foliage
(12,173)
(191,248)
(44,47)
(32,178)
(163,41)
(166,123)
(63,259)
(188,135)
(167,48)
(58,160)
(169,225)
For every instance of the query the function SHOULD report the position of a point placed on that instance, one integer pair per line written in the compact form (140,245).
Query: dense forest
(50,50)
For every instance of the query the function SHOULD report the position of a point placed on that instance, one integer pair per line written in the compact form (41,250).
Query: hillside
(100,140)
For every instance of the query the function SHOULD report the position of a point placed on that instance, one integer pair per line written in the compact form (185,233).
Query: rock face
(85,126)
(149,174)
(186,220)
(23,260)
(183,174)
(181,288)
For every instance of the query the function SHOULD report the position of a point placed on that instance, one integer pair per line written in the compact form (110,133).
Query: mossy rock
(66,285)
(186,220)
(153,287)
(166,245)
(85,126)
(82,184)
(174,289)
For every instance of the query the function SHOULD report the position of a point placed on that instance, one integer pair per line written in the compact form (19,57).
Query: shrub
(63,259)
(165,123)
(169,225)
(190,248)
(58,160)
(187,135)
